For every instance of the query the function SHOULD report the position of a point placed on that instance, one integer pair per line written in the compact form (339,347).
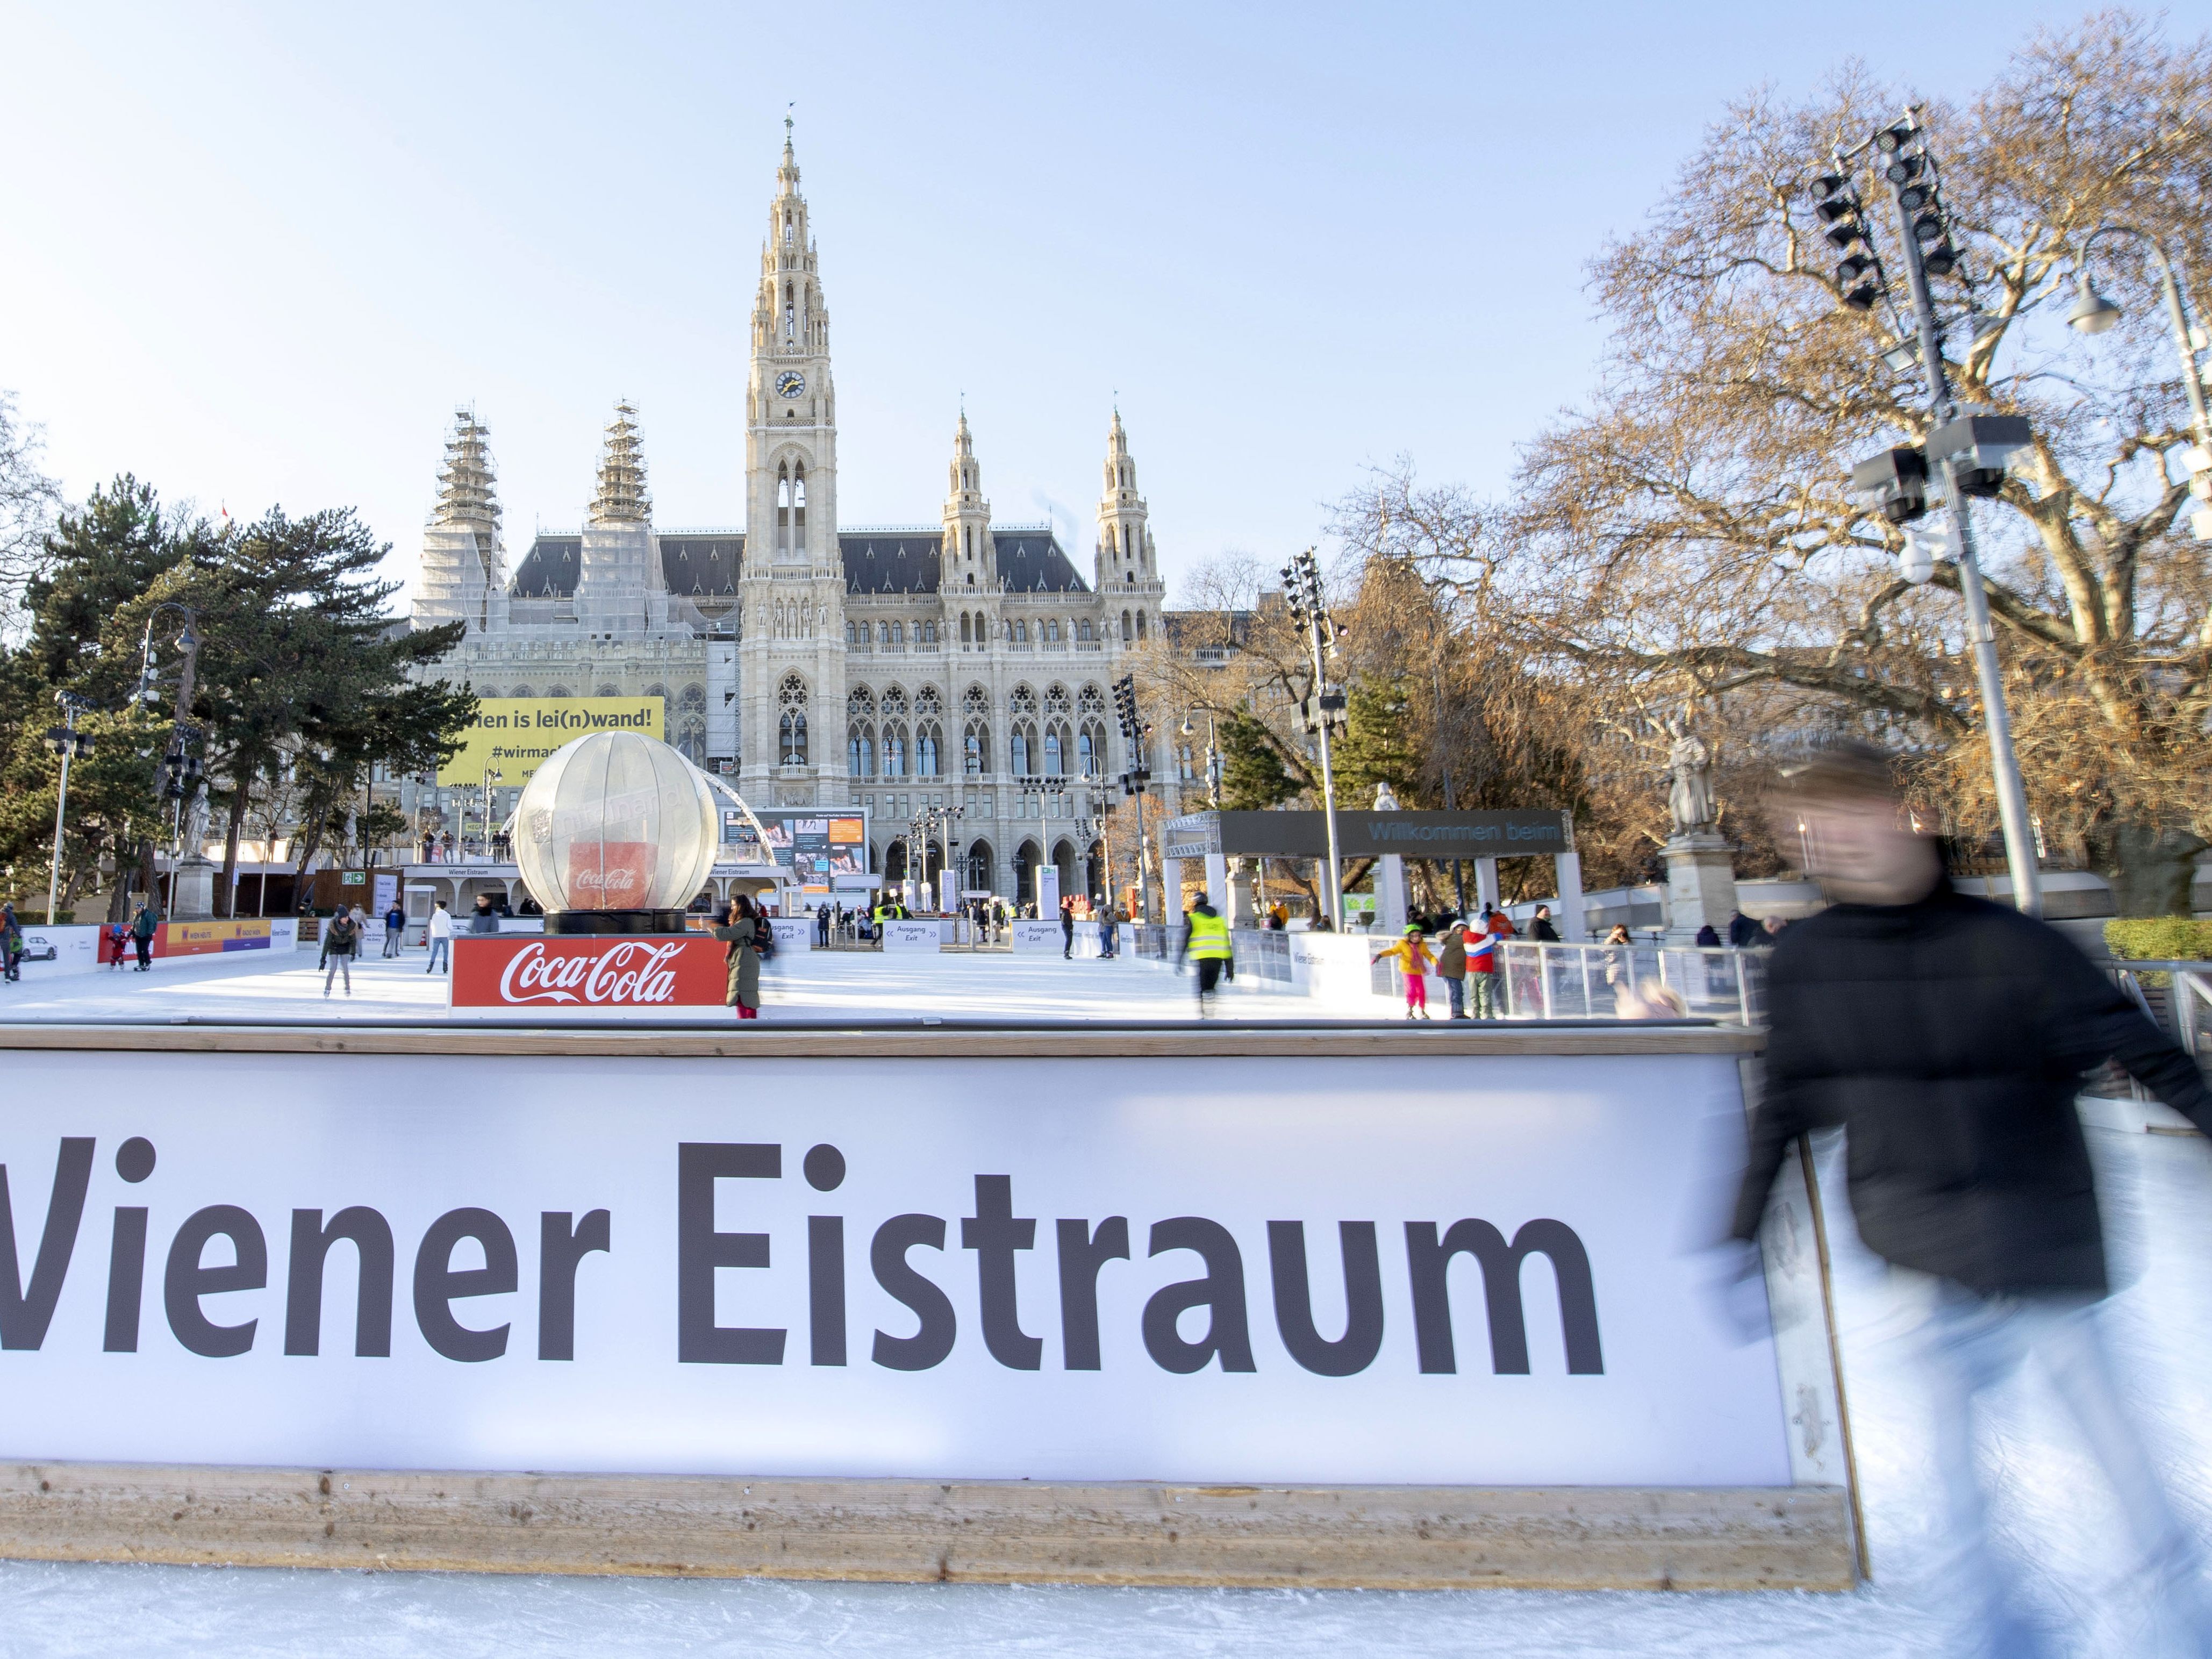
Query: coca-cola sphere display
(614,835)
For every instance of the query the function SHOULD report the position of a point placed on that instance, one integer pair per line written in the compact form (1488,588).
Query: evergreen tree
(1253,775)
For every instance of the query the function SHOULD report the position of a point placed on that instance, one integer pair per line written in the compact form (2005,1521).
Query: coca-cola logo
(588,881)
(633,974)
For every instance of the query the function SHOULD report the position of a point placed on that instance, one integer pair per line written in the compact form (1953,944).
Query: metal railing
(1585,982)
(1262,953)
(1153,942)
(2178,998)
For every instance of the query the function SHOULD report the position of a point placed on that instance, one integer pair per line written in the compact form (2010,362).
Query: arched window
(975,749)
(1055,750)
(1083,628)
(791,725)
(925,633)
(1128,632)
(894,751)
(782,510)
(926,738)
(1021,632)
(965,637)
(787,229)
(897,631)
(1086,753)
(1018,751)
(798,508)
(790,321)
(1140,626)
(860,752)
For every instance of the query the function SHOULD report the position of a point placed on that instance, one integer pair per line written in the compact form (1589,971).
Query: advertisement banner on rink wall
(1257,1269)
(537,974)
(196,938)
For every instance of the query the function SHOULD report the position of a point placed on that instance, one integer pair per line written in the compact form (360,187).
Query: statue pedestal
(193,893)
(1244,904)
(1700,885)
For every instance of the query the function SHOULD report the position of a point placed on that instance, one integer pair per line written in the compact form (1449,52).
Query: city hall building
(890,668)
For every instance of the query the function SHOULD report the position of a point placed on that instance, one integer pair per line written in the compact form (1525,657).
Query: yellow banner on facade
(512,736)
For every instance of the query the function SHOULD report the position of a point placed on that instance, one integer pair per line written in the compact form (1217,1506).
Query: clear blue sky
(257,254)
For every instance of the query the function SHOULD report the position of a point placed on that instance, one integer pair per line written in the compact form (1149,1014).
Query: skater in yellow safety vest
(1205,942)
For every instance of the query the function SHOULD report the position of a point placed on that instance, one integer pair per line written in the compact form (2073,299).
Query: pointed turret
(967,557)
(1126,558)
(464,563)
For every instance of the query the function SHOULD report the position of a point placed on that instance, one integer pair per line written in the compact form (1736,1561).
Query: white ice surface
(2051,1511)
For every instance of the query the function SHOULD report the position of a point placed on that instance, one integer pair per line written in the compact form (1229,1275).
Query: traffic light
(1843,221)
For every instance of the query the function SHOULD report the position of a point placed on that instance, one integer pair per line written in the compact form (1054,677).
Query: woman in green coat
(740,927)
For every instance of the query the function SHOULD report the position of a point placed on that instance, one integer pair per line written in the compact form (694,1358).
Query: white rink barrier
(974,1265)
(925,934)
(55,952)
(793,932)
(1034,936)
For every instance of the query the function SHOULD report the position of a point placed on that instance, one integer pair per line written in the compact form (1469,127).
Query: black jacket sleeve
(2094,1021)
(1777,1121)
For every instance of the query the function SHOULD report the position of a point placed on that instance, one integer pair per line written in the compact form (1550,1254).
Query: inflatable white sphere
(616,821)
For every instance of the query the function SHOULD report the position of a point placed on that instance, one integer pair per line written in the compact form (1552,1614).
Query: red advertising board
(553,974)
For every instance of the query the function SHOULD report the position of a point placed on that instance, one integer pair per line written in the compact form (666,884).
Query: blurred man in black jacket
(1947,1036)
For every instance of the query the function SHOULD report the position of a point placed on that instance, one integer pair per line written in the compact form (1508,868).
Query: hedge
(2158,939)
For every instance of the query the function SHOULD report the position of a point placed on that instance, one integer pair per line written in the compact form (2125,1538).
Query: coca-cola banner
(611,875)
(548,974)
(1242,1269)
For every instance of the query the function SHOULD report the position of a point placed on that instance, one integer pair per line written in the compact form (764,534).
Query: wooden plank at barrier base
(911,1305)
(976,1532)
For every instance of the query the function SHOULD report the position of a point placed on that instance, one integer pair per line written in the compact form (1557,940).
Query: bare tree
(28,502)
(1691,531)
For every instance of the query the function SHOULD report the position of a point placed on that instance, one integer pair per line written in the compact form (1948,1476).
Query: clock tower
(791,672)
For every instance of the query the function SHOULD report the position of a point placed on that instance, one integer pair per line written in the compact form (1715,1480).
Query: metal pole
(2177,312)
(1328,787)
(2012,792)
(61,806)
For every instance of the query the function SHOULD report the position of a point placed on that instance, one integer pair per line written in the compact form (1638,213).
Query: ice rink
(2052,1510)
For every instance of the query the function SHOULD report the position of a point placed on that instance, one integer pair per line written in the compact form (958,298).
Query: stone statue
(1691,798)
(195,826)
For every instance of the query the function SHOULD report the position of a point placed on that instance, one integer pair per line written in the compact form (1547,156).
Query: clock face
(790,383)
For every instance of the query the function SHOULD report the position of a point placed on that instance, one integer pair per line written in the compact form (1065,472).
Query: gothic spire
(468,496)
(621,497)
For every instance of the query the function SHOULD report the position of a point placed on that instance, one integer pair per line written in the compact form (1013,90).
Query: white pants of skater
(1971,1342)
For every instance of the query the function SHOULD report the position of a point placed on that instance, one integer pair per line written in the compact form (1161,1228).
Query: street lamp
(181,769)
(2093,313)
(1213,758)
(1968,452)
(66,741)
(1325,707)
(490,777)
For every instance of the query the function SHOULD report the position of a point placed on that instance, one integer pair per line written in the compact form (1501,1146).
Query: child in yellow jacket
(1412,955)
